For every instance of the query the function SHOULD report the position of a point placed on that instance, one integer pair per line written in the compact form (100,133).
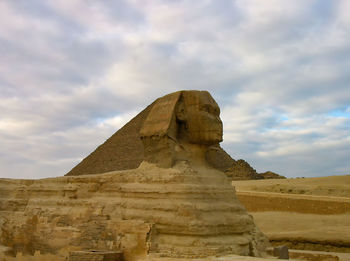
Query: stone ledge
(95,255)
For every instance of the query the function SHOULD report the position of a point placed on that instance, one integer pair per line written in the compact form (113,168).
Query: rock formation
(241,170)
(175,204)
(271,175)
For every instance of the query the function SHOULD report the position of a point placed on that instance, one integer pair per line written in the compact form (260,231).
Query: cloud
(72,73)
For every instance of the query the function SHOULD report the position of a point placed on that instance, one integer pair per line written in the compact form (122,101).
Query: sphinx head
(198,117)
(177,120)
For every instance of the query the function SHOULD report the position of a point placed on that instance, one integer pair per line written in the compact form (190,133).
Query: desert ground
(303,213)
(336,186)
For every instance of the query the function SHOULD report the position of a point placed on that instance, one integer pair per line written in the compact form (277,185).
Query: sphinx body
(175,204)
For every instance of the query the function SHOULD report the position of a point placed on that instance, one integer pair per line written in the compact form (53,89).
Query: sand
(337,186)
(304,213)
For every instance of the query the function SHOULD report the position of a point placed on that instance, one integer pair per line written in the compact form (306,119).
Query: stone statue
(181,126)
(177,203)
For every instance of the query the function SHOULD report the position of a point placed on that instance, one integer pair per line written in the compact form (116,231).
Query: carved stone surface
(281,252)
(175,212)
(175,204)
(181,126)
(162,134)
(93,255)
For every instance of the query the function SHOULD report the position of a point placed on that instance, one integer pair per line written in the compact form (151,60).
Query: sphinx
(166,197)
(180,125)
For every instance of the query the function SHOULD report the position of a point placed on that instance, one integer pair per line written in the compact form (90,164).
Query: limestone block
(176,212)
(281,252)
(95,255)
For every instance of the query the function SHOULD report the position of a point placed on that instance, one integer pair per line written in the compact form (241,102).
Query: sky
(73,72)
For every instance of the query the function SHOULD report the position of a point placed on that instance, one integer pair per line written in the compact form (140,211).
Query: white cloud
(72,73)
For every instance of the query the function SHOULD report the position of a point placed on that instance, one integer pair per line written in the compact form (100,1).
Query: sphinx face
(203,123)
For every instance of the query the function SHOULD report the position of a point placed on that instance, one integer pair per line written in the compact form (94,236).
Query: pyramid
(122,151)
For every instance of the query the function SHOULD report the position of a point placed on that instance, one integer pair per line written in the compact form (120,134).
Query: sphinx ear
(181,113)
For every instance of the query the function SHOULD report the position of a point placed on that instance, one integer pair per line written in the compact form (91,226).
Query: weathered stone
(181,126)
(281,252)
(178,212)
(174,204)
(271,175)
(241,170)
(161,129)
(95,255)
(313,255)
